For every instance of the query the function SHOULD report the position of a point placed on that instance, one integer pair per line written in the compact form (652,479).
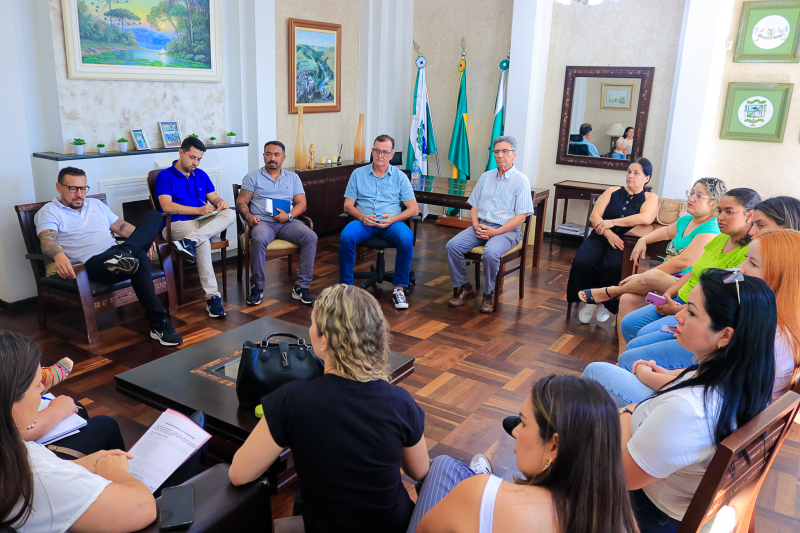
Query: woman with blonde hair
(350,430)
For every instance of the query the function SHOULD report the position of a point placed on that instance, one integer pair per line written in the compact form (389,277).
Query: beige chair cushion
(293,524)
(479,249)
(277,244)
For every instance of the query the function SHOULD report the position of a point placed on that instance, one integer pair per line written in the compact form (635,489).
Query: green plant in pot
(213,140)
(122,144)
(78,146)
(101,148)
(231,137)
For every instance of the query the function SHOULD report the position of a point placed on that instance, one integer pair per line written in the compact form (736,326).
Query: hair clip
(734,276)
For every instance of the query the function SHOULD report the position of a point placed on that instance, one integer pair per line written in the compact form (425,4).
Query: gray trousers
(493,249)
(295,232)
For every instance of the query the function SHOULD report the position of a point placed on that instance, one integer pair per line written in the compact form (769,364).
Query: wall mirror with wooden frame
(604,116)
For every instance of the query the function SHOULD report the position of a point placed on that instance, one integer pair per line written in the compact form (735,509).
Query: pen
(51,399)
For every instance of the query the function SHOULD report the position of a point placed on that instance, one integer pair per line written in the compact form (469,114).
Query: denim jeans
(356,232)
(650,518)
(444,474)
(646,320)
(653,346)
(623,387)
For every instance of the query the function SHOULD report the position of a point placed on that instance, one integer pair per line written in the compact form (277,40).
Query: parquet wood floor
(472,370)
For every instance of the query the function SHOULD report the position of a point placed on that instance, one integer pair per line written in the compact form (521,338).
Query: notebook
(208,215)
(68,426)
(272,206)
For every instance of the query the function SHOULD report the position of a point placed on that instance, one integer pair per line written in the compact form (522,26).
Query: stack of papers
(65,428)
(571,228)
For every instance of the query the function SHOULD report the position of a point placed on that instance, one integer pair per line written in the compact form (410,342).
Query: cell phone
(655,299)
(177,507)
(669,329)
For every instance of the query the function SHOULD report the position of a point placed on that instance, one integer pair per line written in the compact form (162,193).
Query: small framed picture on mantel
(170,134)
(140,139)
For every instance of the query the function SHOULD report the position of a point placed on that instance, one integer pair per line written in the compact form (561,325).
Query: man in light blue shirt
(586,132)
(501,200)
(373,198)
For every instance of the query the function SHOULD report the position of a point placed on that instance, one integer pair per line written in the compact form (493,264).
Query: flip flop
(588,294)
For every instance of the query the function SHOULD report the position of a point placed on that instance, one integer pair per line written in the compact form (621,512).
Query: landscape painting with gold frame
(315,66)
(167,40)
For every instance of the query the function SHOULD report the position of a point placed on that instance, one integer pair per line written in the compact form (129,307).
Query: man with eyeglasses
(75,228)
(586,134)
(501,200)
(374,198)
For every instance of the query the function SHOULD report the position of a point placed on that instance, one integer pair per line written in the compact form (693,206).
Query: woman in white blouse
(41,493)
(668,440)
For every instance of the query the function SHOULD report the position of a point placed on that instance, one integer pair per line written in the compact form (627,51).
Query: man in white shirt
(75,228)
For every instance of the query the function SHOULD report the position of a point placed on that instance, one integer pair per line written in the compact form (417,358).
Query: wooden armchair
(221,245)
(277,248)
(739,467)
(518,252)
(88,297)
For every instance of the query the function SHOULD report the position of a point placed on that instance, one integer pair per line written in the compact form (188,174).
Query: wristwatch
(290,217)
(624,410)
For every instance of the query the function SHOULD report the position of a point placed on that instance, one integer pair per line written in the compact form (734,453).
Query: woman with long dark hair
(668,440)
(38,491)
(567,449)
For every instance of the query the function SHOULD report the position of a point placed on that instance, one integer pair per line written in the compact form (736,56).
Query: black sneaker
(304,295)
(214,307)
(164,333)
(123,263)
(255,296)
(185,249)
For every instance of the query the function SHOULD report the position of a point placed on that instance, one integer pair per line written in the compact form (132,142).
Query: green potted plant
(122,144)
(78,146)
(231,137)
(213,140)
(193,135)
(101,148)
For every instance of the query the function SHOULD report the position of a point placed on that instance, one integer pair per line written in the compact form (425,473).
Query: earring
(719,346)
(549,462)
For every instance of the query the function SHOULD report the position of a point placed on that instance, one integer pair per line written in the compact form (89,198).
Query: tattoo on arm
(243,201)
(120,227)
(49,243)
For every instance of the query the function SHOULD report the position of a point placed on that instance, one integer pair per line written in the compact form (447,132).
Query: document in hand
(208,215)
(68,426)
(164,447)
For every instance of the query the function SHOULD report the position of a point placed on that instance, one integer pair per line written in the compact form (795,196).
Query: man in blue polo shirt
(188,190)
(586,134)
(373,197)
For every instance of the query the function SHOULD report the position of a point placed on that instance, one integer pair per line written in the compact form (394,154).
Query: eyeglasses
(384,153)
(73,190)
(504,152)
(689,195)
(735,276)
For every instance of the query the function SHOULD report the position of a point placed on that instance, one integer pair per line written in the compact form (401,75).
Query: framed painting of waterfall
(315,66)
(156,40)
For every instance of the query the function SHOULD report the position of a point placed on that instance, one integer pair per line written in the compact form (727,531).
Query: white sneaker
(480,464)
(586,312)
(602,313)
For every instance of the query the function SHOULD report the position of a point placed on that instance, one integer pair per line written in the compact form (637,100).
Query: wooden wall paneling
(314,185)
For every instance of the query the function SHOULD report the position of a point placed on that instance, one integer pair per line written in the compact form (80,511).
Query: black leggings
(596,264)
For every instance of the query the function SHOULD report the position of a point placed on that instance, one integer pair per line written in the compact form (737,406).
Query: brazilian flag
(459,143)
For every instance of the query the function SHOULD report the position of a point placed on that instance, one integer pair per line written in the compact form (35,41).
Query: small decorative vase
(231,139)
(78,148)
(358,148)
(299,144)
(123,147)
(101,149)
(213,142)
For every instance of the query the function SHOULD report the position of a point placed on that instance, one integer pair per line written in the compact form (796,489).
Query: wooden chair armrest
(48,259)
(306,220)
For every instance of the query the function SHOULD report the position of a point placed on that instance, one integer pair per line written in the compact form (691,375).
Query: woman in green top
(734,216)
(690,234)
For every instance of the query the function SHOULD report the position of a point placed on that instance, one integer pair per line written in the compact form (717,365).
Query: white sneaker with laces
(602,313)
(586,312)
(480,464)
(399,296)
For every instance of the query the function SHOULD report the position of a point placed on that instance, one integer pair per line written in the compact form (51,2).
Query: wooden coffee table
(194,379)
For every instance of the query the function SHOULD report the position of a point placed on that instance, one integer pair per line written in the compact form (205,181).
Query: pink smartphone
(655,299)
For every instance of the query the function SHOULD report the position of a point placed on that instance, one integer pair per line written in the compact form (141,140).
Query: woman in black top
(598,262)
(350,431)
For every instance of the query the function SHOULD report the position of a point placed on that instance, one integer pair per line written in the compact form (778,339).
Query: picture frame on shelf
(769,32)
(315,66)
(170,133)
(140,139)
(140,41)
(616,96)
(756,111)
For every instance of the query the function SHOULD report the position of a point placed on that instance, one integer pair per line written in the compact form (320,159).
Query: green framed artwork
(756,112)
(768,32)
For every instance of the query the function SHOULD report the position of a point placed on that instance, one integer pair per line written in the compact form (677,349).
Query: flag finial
(463,48)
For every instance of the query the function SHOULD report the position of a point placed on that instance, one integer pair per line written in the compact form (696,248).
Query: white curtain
(578,104)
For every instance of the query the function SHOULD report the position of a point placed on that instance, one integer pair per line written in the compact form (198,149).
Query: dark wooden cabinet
(325,189)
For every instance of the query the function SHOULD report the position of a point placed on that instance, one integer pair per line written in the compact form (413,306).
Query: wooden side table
(572,190)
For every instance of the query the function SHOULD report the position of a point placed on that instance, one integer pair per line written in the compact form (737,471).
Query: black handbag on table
(267,365)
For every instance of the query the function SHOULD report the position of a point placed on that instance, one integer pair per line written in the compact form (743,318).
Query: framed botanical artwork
(315,66)
(756,111)
(616,96)
(140,140)
(164,40)
(170,134)
(768,32)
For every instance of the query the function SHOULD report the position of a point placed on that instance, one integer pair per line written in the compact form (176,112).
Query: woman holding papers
(42,493)
(350,430)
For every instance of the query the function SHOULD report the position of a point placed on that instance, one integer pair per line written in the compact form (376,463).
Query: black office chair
(397,158)
(377,272)
(578,149)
